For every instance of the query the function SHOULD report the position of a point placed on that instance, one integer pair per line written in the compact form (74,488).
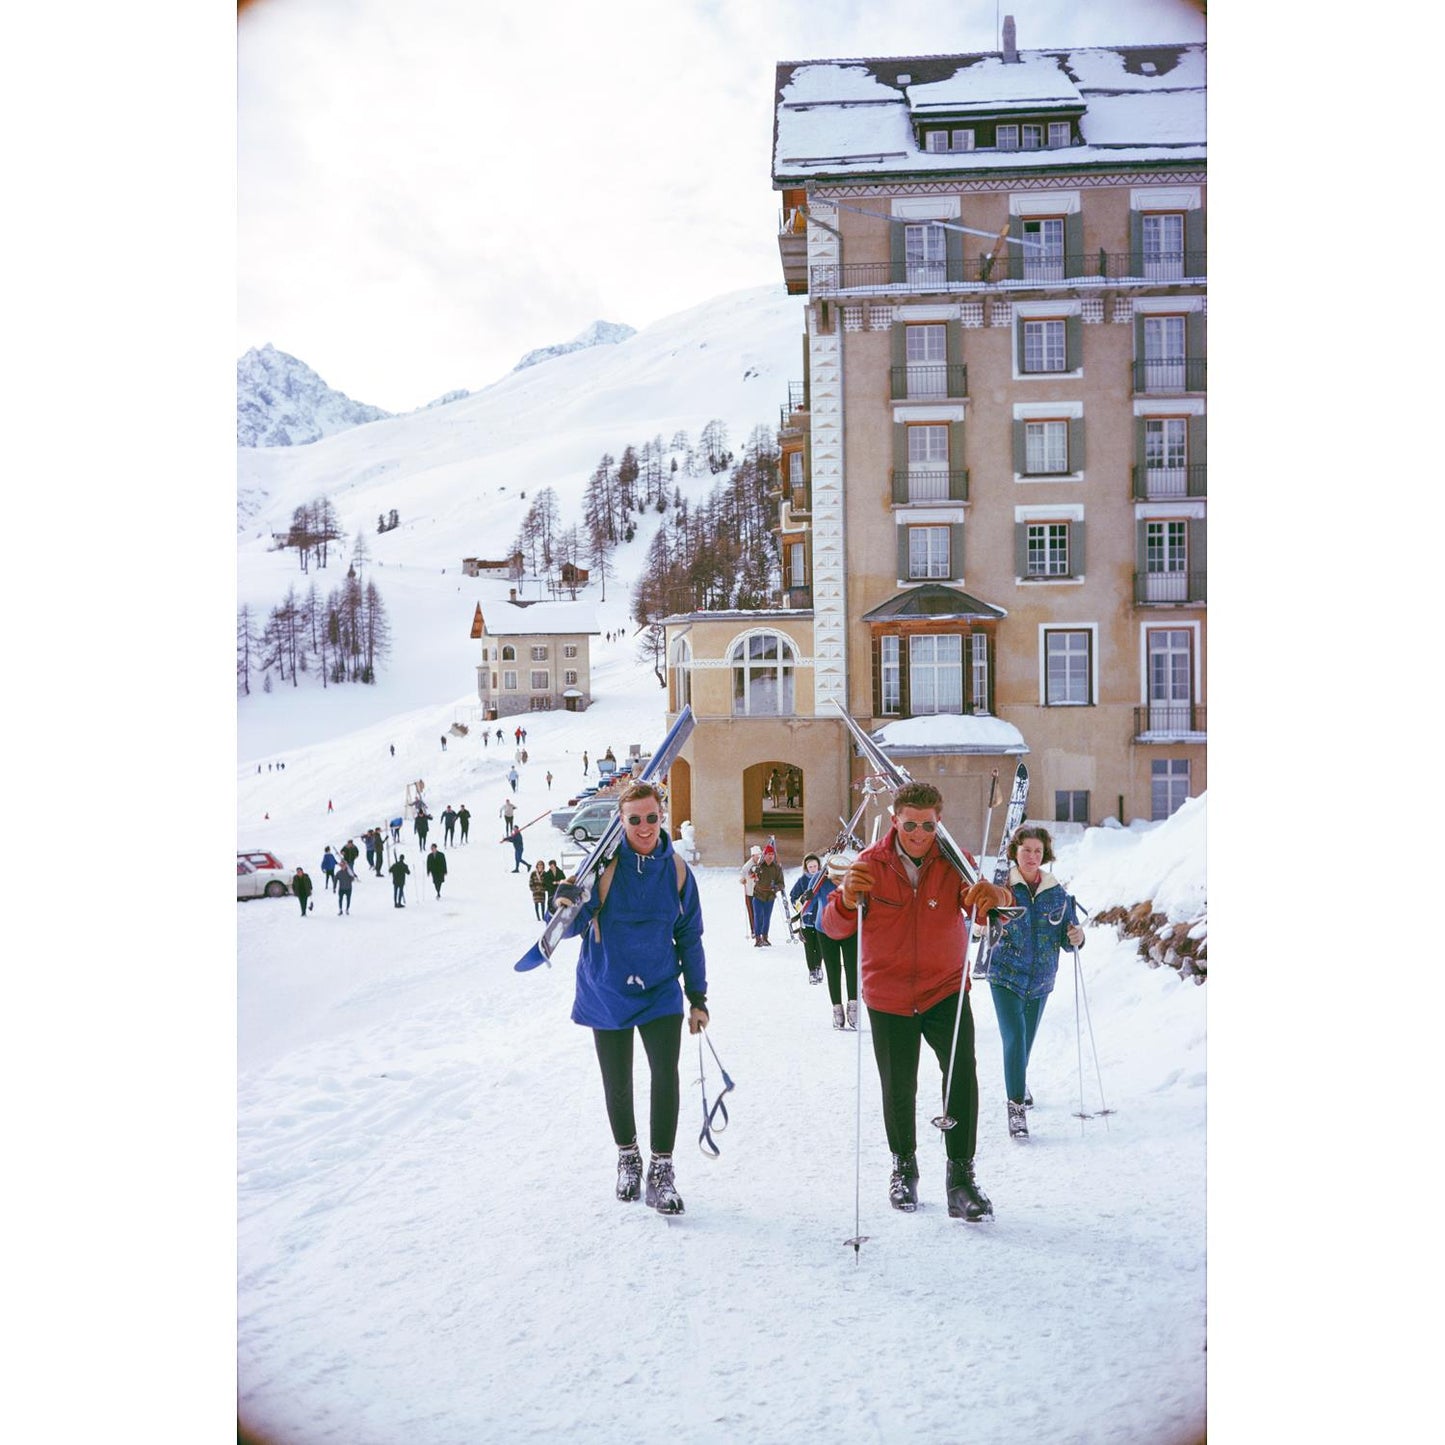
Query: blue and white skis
(1018,804)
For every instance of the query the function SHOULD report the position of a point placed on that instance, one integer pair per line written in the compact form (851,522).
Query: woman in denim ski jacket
(1025,961)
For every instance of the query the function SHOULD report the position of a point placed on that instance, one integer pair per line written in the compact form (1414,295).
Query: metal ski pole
(719,1109)
(1104,1109)
(859,1238)
(1081,1115)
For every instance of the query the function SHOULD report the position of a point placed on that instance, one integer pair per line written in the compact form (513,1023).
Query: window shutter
(1197,564)
(903,553)
(877,676)
(899,340)
(1141,546)
(808,465)
(1194,262)
(953,256)
(1196,441)
(1074,244)
(1021,549)
(955,446)
(955,550)
(1193,334)
(905,703)
(1019,343)
(1020,448)
(897,252)
(1015,249)
(900,465)
(1138,338)
(1076,549)
(953,355)
(1073,342)
(1136,243)
(1139,430)
(1076,444)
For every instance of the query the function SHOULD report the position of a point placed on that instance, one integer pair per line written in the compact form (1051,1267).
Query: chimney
(1010,43)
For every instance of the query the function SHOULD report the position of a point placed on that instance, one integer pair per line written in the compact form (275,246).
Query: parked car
(591,819)
(260,874)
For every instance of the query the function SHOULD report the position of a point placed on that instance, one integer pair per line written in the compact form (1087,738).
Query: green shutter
(1197,456)
(955,550)
(953,355)
(1136,243)
(1076,444)
(1021,455)
(1015,249)
(1021,549)
(1073,342)
(953,255)
(1019,343)
(1140,487)
(1194,261)
(1194,336)
(1076,549)
(1074,244)
(896,251)
(903,552)
(1141,546)
(877,676)
(1197,563)
(899,341)
(955,446)
(900,463)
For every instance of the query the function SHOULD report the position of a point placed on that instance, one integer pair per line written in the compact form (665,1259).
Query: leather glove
(983,897)
(570,893)
(857,883)
(697,1018)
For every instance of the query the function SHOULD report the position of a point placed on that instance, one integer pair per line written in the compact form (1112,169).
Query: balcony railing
(1168,589)
(1158,484)
(911,485)
(1166,721)
(1169,378)
(798,395)
(928,381)
(1095,268)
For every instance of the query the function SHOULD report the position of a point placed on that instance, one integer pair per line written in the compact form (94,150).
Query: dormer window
(1007,137)
(943,141)
(1033,137)
(1058,133)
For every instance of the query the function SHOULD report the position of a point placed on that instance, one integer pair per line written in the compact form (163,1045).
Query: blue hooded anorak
(635,947)
(1025,959)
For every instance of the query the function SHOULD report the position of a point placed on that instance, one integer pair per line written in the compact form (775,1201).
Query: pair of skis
(587,874)
(1013,820)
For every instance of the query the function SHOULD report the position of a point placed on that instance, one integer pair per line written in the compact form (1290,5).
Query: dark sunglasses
(634,820)
(908,826)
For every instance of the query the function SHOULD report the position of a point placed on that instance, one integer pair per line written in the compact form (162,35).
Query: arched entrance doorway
(773,801)
(679,795)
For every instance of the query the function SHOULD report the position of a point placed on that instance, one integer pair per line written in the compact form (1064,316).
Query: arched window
(679,674)
(763,667)
(509,653)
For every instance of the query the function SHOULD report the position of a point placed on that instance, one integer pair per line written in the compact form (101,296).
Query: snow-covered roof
(856,116)
(933,599)
(951,733)
(507,619)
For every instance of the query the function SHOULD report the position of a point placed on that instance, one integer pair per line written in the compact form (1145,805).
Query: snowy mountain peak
(600,333)
(281,402)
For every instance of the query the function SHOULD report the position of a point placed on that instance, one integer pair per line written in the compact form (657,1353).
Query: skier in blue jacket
(1025,961)
(641,929)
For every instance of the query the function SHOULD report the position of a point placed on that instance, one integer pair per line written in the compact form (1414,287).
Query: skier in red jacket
(911,958)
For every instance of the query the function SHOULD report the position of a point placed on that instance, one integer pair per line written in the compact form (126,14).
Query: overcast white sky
(426,191)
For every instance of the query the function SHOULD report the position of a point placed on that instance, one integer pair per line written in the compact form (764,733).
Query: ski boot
(965,1199)
(629,1173)
(852,1013)
(837,1016)
(903,1183)
(662,1192)
(815,975)
(1018,1124)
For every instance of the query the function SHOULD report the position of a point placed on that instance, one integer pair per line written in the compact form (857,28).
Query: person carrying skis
(911,951)
(345,876)
(328,868)
(1024,962)
(301,887)
(840,960)
(465,819)
(514,837)
(746,878)
(805,893)
(436,867)
(640,930)
(449,825)
(399,870)
(767,884)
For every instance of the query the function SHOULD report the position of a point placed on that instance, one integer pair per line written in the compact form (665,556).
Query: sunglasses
(634,821)
(908,826)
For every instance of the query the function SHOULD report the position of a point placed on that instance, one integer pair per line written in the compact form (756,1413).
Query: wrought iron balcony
(798,395)
(913,486)
(1169,378)
(1168,589)
(1013,268)
(1159,722)
(1160,484)
(928,381)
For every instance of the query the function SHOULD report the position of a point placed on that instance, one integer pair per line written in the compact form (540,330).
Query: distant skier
(393,749)
(444,742)
(549,782)
(423,822)
(506,813)
(399,870)
(301,887)
(514,837)
(465,819)
(436,868)
(345,876)
(512,778)
(449,824)
(328,867)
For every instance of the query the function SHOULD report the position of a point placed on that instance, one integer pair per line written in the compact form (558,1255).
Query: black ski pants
(896,1048)
(840,961)
(662,1039)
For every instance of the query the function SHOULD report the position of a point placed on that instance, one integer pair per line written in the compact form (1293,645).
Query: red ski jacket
(911,955)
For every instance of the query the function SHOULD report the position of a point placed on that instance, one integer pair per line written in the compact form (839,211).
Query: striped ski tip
(533,958)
